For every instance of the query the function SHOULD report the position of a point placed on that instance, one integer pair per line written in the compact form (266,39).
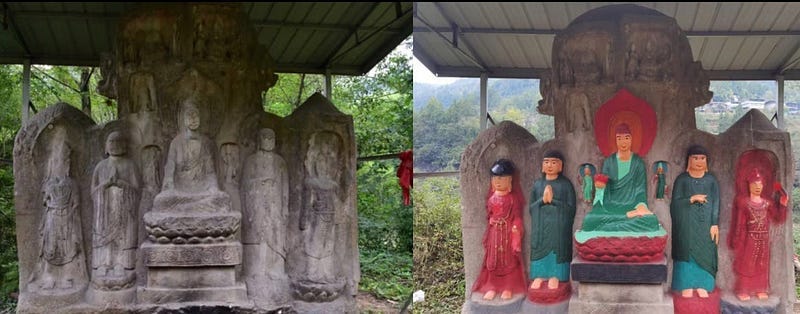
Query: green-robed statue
(695,226)
(620,205)
(552,208)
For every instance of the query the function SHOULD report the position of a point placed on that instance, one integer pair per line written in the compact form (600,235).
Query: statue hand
(547,196)
(698,198)
(600,185)
(784,200)
(715,234)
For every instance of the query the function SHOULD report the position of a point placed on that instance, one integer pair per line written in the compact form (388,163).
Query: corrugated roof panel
(436,49)
(764,50)
(711,50)
(262,11)
(280,11)
(496,14)
(575,9)
(298,12)
(729,49)
(431,14)
(697,45)
(767,17)
(518,57)
(557,13)
(337,14)
(745,53)
(516,16)
(469,13)
(787,18)
(319,11)
(750,11)
(668,8)
(706,14)
(372,16)
(686,15)
(783,48)
(726,17)
(537,16)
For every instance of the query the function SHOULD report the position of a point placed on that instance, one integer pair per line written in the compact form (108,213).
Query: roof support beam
(463,53)
(361,41)
(781,122)
(26,91)
(457,33)
(484,99)
(17,33)
(788,62)
(490,31)
(353,33)
(340,28)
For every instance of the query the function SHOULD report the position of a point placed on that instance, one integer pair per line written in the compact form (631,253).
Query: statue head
(697,159)
(266,139)
(191,115)
(553,163)
(322,159)
(660,169)
(755,182)
(502,175)
(115,144)
(587,171)
(623,137)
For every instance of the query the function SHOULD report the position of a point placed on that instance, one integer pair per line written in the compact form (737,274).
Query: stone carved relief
(648,55)
(115,194)
(108,71)
(585,59)
(61,267)
(579,118)
(266,201)
(321,214)
(229,156)
(155,37)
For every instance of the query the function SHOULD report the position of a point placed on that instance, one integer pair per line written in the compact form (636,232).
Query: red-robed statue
(502,269)
(749,238)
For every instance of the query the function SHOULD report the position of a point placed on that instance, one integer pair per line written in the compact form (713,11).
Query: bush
(438,253)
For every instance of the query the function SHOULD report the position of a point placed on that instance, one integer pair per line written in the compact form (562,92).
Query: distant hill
(469,89)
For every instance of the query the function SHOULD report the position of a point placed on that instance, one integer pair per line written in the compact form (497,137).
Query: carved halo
(624,107)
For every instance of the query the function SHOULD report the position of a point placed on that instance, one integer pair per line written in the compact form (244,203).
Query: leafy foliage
(438,251)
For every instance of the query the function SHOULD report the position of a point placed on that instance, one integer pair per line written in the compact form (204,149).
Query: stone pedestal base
(577,304)
(112,299)
(344,304)
(228,295)
(555,308)
(654,272)
(620,293)
(46,302)
(192,273)
(477,305)
(730,305)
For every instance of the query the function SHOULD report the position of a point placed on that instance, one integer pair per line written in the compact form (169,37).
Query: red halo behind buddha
(625,108)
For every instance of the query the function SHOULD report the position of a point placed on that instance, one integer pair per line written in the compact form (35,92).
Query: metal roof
(348,38)
(734,41)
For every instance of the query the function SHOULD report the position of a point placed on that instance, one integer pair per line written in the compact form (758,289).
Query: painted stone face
(552,166)
(756,187)
(698,163)
(192,118)
(115,144)
(624,142)
(501,183)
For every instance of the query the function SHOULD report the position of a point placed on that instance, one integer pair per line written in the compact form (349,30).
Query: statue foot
(743,297)
(536,283)
(702,293)
(686,293)
(489,295)
(552,283)
(762,295)
(506,295)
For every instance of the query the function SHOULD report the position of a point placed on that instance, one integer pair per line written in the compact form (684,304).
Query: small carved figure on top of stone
(61,268)
(115,194)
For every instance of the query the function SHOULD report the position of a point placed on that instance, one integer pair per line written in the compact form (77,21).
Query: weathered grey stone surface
(621,293)
(557,308)
(477,305)
(646,53)
(183,251)
(731,305)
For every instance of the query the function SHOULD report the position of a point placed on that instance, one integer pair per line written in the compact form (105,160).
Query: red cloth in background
(406,174)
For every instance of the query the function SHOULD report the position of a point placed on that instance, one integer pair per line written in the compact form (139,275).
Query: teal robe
(621,195)
(691,224)
(551,224)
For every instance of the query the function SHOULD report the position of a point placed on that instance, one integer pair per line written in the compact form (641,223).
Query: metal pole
(26,91)
(781,122)
(484,99)
(328,84)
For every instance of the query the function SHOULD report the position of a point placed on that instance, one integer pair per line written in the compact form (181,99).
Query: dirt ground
(367,303)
